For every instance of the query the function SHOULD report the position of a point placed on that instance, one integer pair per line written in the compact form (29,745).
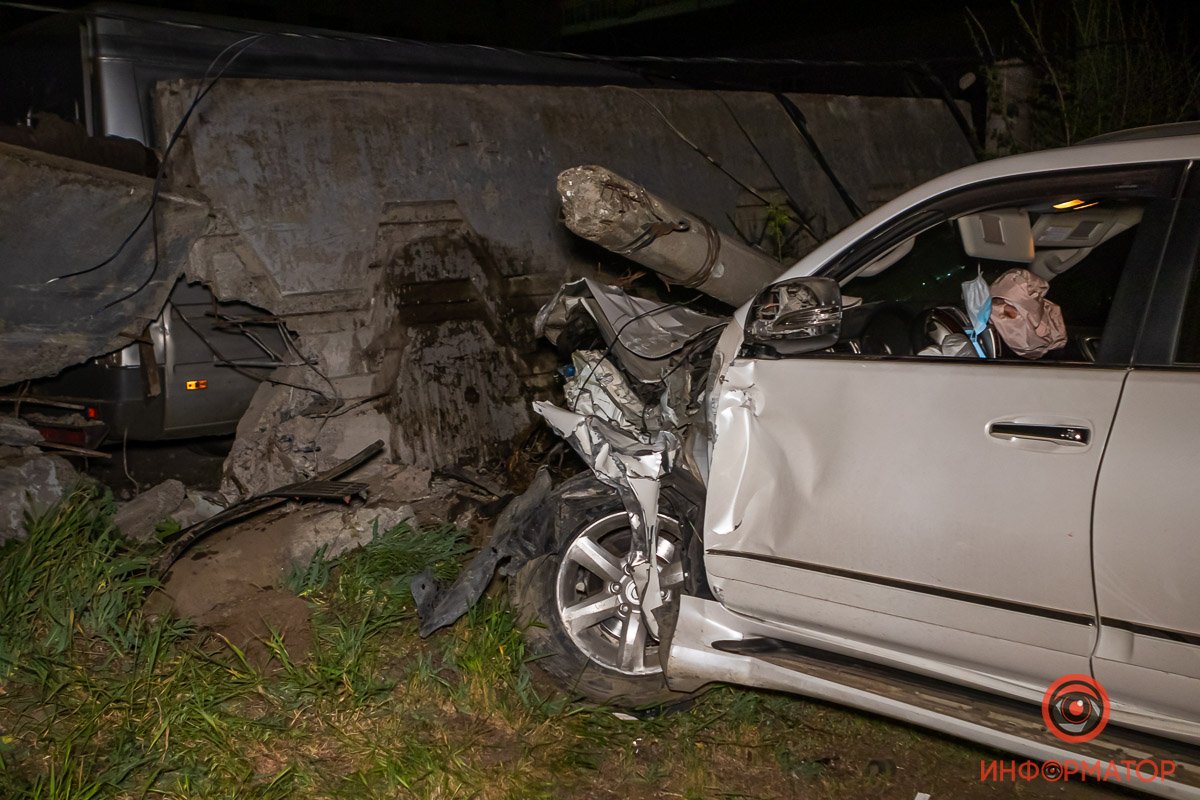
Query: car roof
(1147,132)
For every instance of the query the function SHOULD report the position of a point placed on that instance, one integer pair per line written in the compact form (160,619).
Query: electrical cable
(702,339)
(767,163)
(798,120)
(943,91)
(201,93)
(225,362)
(291,344)
(704,154)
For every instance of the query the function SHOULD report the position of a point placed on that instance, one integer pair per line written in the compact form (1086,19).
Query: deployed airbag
(1028,323)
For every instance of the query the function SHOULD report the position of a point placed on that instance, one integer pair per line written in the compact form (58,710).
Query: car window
(1061,258)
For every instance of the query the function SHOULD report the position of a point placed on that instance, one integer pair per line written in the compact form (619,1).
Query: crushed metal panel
(650,331)
(59,216)
(634,466)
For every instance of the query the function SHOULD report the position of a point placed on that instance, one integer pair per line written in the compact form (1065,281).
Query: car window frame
(1177,279)
(1162,179)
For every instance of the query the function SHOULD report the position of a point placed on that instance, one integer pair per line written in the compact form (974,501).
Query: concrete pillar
(686,250)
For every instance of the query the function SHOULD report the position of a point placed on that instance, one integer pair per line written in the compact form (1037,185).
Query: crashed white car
(948,458)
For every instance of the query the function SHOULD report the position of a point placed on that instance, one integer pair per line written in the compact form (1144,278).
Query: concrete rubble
(409,248)
(138,518)
(14,432)
(240,573)
(30,481)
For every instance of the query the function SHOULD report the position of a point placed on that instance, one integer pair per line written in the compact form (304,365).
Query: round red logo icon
(1075,708)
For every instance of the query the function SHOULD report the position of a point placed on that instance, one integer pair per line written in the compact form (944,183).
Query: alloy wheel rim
(597,601)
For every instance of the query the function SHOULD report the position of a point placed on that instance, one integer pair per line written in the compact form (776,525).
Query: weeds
(71,579)
(97,701)
(1101,66)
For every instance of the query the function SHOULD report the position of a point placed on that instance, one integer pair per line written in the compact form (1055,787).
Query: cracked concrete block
(347,434)
(341,532)
(339,351)
(277,444)
(17,433)
(138,518)
(30,481)
(403,482)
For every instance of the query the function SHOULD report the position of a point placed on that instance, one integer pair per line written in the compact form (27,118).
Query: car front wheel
(582,614)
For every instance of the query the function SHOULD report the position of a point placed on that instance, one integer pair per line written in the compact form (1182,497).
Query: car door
(891,506)
(1147,519)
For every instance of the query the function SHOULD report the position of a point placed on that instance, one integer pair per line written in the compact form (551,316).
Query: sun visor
(1001,235)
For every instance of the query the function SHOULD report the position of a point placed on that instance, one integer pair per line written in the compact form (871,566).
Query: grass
(99,700)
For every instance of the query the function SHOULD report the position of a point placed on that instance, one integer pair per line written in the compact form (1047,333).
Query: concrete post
(686,250)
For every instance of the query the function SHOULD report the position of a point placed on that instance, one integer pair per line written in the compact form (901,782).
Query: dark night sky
(847,29)
(936,33)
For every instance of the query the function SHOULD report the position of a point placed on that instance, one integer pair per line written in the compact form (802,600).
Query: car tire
(586,663)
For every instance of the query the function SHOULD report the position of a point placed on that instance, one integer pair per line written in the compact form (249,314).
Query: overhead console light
(1065,204)
(1086,205)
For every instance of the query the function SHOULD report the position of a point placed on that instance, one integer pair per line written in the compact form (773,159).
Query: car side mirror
(796,316)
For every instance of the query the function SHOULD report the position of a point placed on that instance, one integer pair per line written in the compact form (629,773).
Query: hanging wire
(201,92)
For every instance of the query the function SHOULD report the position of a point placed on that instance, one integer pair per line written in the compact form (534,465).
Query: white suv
(935,535)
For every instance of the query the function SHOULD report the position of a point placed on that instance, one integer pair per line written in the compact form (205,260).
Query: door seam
(1092,526)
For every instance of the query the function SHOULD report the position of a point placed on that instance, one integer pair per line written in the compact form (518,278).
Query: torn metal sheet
(59,216)
(510,546)
(600,389)
(634,466)
(651,332)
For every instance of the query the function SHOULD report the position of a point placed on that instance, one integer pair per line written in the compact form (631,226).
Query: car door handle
(1069,435)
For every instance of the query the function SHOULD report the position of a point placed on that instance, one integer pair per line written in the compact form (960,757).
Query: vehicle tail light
(64,435)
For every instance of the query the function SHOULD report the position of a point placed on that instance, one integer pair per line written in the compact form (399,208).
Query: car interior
(910,297)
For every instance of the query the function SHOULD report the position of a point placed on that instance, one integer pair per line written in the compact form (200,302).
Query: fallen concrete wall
(408,233)
(58,216)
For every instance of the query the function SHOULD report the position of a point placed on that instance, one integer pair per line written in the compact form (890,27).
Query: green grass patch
(98,700)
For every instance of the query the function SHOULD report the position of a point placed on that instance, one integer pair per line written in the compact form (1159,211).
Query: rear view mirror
(800,315)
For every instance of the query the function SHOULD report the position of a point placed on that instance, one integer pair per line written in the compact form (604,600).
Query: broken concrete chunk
(30,481)
(402,482)
(337,532)
(196,507)
(16,432)
(138,518)
(285,436)
(58,217)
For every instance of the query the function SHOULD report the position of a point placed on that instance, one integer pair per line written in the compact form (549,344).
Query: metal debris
(184,539)
(509,546)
